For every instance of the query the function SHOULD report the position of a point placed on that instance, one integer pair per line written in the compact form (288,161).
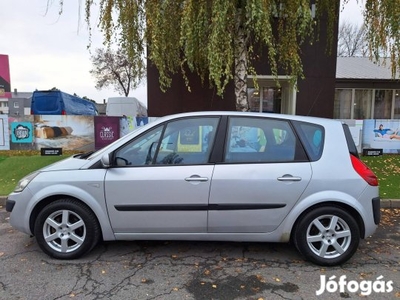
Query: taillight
(365,172)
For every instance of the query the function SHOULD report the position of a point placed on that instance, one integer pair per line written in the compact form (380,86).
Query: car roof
(317,120)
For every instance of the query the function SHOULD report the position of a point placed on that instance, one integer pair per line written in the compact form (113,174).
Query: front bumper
(10,205)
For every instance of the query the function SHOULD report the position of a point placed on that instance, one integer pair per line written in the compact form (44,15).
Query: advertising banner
(5,83)
(106,131)
(4,135)
(21,132)
(382,134)
(69,132)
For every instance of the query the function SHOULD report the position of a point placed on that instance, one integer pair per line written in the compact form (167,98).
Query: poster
(69,132)
(382,134)
(5,83)
(106,131)
(4,135)
(21,132)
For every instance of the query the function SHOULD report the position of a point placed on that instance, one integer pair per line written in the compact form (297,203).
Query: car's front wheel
(66,229)
(327,236)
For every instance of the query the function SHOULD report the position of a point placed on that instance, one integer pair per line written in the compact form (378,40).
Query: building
(365,90)
(314,96)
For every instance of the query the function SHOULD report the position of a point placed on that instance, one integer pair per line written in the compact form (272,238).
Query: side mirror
(105,160)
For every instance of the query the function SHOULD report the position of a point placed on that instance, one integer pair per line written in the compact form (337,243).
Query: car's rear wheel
(327,236)
(66,229)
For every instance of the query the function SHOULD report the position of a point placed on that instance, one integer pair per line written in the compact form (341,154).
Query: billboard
(382,134)
(4,135)
(5,82)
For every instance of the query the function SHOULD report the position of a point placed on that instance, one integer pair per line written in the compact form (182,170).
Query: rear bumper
(376,209)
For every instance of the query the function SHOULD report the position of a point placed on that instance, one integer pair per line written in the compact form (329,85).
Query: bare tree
(114,68)
(352,40)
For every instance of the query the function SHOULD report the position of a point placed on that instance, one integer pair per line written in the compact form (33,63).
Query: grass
(16,164)
(387,168)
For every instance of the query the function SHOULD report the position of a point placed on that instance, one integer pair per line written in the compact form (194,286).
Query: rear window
(46,103)
(312,137)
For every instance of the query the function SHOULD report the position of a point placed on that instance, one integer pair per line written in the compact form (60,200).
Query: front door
(160,181)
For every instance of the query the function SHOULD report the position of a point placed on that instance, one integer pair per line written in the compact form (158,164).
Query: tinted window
(312,136)
(261,140)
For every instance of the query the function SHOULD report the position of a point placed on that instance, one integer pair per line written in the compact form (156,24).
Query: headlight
(24,182)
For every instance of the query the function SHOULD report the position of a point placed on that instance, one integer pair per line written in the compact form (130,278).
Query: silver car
(214,176)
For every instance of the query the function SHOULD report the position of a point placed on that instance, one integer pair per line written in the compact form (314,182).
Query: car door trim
(213,207)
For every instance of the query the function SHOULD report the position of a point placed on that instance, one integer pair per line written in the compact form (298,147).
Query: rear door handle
(196,178)
(288,177)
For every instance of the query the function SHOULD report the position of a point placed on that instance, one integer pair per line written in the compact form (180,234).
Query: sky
(49,50)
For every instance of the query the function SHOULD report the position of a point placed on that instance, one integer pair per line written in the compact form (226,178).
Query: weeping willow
(215,38)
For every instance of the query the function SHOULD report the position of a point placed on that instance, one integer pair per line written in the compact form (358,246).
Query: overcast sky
(47,50)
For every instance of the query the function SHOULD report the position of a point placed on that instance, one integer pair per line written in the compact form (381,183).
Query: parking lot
(198,270)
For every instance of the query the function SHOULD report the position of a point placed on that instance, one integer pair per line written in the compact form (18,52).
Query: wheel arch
(105,229)
(349,209)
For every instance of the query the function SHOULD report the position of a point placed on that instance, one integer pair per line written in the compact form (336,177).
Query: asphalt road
(198,270)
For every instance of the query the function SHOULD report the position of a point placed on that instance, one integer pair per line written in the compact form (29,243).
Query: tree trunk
(240,77)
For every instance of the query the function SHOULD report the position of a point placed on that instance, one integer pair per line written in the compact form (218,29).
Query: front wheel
(327,236)
(66,229)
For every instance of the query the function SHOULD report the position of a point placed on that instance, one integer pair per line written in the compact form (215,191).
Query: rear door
(264,173)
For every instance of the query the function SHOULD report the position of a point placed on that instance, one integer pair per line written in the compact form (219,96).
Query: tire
(327,236)
(66,229)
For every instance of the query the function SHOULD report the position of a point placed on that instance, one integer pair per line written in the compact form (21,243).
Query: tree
(352,40)
(212,37)
(114,68)
(217,38)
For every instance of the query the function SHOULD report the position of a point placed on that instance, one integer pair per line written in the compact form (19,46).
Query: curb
(385,203)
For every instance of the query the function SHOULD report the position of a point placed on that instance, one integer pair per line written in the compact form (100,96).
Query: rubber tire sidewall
(87,216)
(300,235)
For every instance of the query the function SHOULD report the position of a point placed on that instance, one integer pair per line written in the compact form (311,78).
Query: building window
(397,104)
(366,104)
(342,104)
(383,104)
(265,99)
(362,104)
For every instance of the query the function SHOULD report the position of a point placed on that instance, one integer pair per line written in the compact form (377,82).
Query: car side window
(187,141)
(261,140)
(313,137)
(139,151)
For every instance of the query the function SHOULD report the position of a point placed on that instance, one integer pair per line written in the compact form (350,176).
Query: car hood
(71,163)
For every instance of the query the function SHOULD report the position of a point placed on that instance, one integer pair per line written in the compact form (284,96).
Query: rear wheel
(327,236)
(66,229)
